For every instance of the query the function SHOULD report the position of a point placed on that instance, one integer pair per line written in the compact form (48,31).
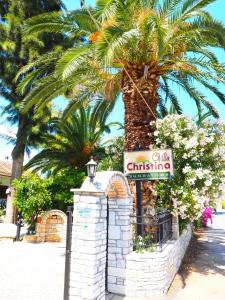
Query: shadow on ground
(205,255)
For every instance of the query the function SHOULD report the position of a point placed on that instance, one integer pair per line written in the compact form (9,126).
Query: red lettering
(130,166)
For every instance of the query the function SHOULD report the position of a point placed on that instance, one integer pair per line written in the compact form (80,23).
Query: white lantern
(91,169)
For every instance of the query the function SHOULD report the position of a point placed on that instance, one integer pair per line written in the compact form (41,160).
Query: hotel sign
(148,165)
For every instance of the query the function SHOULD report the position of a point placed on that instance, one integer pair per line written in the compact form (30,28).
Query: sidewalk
(9,231)
(31,271)
(205,278)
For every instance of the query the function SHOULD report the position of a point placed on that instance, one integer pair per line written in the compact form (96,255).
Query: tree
(139,48)
(15,52)
(60,185)
(114,155)
(32,197)
(34,194)
(74,140)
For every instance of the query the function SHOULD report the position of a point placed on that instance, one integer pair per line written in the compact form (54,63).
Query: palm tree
(139,48)
(142,49)
(15,52)
(75,139)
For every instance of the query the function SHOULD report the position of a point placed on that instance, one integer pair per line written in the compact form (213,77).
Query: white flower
(185,156)
(208,182)
(191,181)
(186,169)
(191,143)
(173,126)
(199,173)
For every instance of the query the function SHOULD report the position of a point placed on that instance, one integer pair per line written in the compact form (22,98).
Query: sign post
(148,165)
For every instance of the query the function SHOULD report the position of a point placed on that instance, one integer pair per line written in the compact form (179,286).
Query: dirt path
(203,276)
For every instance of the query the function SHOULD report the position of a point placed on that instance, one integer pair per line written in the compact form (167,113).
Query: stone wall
(51,227)
(88,255)
(151,273)
(119,243)
(136,275)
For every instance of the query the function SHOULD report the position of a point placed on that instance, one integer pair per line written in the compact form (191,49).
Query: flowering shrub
(199,160)
(206,215)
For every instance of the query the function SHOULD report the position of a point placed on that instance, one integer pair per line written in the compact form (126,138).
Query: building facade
(5,176)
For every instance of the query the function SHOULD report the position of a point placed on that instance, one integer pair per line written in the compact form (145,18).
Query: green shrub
(223,204)
(35,194)
(1,213)
(183,224)
(60,185)
(198,223)
(31,197)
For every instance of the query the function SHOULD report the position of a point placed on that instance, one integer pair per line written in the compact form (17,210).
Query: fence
(151,233)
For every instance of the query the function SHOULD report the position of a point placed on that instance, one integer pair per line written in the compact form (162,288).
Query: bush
(198,223)
(32,197)
(1,213)
(35,195)
(223,204)
(183,223)
(60,185)
(114,159)
(199,153)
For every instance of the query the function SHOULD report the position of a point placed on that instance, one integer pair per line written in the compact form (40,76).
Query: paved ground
(9,230)
(31,271)
(113,297)
(205,279)
(36,271)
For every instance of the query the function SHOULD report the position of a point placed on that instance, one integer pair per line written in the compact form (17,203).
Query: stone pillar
(88,255)
(119,243)
(175,228)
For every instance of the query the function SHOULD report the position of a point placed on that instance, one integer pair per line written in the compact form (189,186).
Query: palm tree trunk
(17,168)
(138,131)
(138,115)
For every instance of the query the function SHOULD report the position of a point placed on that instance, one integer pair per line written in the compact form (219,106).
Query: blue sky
(216,9)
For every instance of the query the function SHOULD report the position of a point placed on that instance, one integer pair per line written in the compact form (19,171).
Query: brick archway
(51,227)
(113,183)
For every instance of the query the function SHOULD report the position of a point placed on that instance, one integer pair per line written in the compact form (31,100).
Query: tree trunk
(138,131)
(17,169)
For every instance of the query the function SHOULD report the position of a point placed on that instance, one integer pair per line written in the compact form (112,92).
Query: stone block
(111,263)
(112,218)
(114,232)
(118,272)
(111,279)
(115,250)
(111,256)
(121,264)
(117,289)
(126,236)
(122,244)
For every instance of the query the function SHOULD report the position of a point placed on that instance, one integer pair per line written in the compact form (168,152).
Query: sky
(216,9)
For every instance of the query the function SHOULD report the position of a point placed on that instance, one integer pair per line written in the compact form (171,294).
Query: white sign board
(148,165)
